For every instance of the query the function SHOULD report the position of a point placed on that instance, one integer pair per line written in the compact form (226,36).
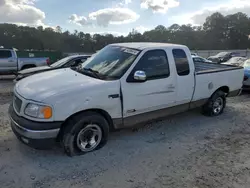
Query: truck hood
(44,85)
(34,70)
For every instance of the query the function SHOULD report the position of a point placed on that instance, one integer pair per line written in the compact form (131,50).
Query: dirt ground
(185,150)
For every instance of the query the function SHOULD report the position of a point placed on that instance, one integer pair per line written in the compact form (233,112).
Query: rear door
(8,63)
(185,76)
(156,93)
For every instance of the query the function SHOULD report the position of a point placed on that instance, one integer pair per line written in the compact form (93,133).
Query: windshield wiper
(96,73)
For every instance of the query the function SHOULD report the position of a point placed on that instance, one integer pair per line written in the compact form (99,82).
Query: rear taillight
(245,78)
(48,61)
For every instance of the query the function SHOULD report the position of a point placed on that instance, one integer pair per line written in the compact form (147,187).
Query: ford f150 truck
(122,85)
(10,64)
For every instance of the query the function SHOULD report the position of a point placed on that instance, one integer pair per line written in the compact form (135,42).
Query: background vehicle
(246,82)
(198,59)
(10,64)
(236,61)
(70,61)
(221,57)
(122,85)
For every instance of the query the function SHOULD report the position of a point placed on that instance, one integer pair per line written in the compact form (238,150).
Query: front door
(7,62)
(156,93)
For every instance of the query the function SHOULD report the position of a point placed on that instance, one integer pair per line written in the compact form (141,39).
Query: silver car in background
(70,61)
(11,64)
(198,59)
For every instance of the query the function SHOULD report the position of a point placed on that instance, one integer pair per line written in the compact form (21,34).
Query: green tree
(218,32)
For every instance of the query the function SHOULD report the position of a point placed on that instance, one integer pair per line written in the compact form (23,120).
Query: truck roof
(144,45)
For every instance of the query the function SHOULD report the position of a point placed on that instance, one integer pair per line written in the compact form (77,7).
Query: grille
(17,103)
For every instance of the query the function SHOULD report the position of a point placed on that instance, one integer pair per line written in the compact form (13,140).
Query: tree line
(217,33)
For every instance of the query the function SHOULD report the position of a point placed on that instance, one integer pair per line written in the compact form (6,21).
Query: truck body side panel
(185,83)
(207,84)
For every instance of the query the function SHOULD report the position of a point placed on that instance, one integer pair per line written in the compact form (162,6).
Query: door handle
(171,86)
(11,61)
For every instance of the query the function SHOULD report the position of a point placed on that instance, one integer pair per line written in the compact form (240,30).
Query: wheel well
(225,89)
(28,66)
(99,111)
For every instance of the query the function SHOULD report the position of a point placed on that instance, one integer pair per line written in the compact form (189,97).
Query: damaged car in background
(222,57)
(70,61)
(236,61)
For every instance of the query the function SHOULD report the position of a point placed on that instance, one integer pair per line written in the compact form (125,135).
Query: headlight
(38,111)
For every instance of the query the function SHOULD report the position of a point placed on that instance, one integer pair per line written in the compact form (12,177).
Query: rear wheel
(85,133)
(215,104)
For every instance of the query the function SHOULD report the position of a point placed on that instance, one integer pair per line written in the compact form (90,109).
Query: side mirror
(140,76)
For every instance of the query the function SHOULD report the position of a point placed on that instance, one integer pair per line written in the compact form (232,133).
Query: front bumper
(40,136)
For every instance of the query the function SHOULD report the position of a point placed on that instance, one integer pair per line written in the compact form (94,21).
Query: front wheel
(85,133)
(215,104)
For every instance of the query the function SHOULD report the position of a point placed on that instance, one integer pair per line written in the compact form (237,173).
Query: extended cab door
(8,63)
(143,101)
(185,76)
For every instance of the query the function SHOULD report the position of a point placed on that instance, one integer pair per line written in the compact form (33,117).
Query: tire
(86,128)
(216,101)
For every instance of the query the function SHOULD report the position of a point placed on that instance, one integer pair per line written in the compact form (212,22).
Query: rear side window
(5,54)
(181,62)
(155,64)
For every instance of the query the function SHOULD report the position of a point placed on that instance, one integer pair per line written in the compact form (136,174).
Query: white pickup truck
(11,64)
(122,85)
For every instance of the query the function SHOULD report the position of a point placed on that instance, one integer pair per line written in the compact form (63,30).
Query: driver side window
(154,63)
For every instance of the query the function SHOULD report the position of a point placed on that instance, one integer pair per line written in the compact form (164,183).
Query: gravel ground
(6,84)
(186,150)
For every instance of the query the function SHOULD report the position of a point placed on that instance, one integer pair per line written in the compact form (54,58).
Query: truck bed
(204,68)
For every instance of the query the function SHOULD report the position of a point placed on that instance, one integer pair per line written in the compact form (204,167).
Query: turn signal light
(47,112)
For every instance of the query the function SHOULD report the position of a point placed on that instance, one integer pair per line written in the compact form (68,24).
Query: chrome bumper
(33,134)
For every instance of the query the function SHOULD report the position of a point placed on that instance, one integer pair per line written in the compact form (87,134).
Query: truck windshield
(110,63)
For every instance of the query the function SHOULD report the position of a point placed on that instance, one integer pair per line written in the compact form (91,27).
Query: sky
(117,17)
